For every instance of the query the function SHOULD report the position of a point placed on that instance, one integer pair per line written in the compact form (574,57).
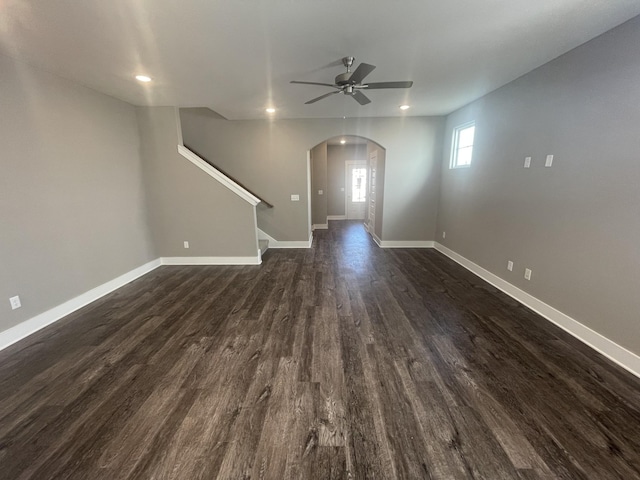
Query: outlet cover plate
(15,302)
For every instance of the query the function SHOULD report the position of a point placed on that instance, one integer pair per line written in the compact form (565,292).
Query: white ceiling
(237,56)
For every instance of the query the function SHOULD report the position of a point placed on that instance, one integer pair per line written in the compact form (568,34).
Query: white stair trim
(614,352)
(273,243)
(218,175)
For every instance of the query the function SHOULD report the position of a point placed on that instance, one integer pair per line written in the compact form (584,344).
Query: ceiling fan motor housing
(343,78)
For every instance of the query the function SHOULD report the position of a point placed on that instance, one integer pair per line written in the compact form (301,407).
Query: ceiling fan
(350,83)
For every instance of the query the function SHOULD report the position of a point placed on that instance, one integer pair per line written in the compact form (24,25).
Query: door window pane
(359,185)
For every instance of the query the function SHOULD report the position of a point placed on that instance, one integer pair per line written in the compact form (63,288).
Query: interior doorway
(356,182)
(346,175)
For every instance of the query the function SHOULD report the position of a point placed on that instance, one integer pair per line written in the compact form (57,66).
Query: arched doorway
(347,182)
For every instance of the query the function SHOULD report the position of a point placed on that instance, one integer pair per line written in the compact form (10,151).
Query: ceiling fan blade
(377,85)
(362,71)
(314,83)
(321,97)
(360,97)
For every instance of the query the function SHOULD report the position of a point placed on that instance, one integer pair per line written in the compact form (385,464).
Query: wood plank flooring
(344,361)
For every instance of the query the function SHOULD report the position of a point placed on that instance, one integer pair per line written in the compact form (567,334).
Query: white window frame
(453,162)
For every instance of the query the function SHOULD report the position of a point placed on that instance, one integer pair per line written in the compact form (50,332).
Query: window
(462,145)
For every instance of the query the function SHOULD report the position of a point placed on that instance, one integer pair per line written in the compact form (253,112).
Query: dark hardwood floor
(344,361)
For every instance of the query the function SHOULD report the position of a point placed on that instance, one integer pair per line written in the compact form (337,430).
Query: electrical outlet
(186,244)
(527,162)
(510,266)
(320,192)
(527,274)
(549,161)
(15,302)
(295,198)
(444,234)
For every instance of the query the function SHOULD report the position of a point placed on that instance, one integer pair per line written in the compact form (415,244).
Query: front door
(356,181)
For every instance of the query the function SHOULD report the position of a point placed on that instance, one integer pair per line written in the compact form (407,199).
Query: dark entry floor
(342,361)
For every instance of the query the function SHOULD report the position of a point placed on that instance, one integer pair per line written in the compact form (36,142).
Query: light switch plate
(295,198)
(320,192)
(549,161)
(527,162)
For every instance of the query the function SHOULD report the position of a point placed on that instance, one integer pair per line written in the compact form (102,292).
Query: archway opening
(346,178)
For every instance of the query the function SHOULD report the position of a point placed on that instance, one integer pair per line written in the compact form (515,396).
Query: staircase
(261,245)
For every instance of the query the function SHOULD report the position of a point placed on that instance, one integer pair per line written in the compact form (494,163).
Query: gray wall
(576,224)
(337,156)
(270,158)
(72,209)
(184,202)
(319,183)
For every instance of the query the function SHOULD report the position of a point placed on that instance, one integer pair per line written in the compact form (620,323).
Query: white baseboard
(400,243)
(406,243)
(32,325)
(273,243)
(320,226)
(211,260)
(336,217)
(614,352)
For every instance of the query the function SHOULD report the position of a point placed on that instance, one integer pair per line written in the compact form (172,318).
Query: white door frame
(309,227)
(347,185)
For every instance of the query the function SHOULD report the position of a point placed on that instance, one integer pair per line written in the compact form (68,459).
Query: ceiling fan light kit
(350,83)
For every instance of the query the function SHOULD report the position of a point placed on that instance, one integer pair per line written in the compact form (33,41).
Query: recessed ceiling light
(405,107)
(143,78)
(343,141)
(270,110)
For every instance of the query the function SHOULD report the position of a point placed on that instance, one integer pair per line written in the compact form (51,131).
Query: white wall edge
(257,236)
(211,260)
(614,352)
(176,113)
(32,325)
(218,175)
(406,244)
(320,226)
(336,217)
